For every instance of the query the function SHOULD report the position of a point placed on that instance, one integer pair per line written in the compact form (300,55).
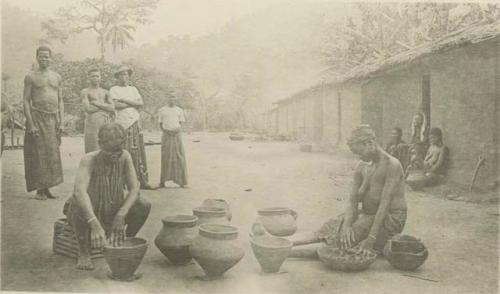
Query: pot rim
(209,210)
(210,231)
(180,219)
(143,243)
(256,243)
(274,210)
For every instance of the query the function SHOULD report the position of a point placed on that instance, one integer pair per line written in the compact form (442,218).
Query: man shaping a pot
(379,187)
(99,210)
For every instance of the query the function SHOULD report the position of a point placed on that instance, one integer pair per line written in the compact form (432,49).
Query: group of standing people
(44,111)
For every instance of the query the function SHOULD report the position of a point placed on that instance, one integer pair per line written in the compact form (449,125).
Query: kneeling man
(101,210)
(379,187)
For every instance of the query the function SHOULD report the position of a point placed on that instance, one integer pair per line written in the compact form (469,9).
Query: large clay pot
(219,203)
(124,260)
(278,221)
(270,252)
(405,252)
(176,236)
(211,215)
(216,249)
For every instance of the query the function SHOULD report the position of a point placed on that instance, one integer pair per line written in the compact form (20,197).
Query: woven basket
(65,242)
(345,260)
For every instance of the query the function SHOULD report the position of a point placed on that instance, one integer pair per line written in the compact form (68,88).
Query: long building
(454,81)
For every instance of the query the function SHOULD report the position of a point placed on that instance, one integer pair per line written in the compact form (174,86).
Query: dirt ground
(462,237)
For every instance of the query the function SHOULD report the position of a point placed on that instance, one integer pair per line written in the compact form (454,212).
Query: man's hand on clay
(118,230)
(366,246)
(347,237)
(97,234)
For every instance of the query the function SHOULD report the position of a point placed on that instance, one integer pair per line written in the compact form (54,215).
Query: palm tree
(119,35)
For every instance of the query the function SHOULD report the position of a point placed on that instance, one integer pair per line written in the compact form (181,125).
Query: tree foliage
(153,85)
(385,29)
(113,21)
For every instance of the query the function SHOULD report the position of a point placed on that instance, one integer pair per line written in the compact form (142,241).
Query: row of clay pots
(207,237)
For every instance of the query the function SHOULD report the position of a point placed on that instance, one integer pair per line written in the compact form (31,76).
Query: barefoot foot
(40,196)
(84,263)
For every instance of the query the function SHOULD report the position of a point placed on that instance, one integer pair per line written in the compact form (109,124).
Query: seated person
(378,186)
(434,164)
(100,209)
(397,147)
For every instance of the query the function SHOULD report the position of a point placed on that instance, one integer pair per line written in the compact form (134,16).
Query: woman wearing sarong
(98,107)
(127,102)
(173,159)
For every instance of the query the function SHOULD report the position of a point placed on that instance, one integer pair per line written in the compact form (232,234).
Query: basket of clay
(405,252)
(350,260)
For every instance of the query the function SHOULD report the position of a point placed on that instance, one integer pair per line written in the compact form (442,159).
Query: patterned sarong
(173,159)
(393,224)
(135,145)
(42,159)
(93,122)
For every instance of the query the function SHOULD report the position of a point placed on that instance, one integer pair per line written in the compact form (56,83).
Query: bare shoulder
(83,91)
(88,158)
(28,78)
(55,74)
(394,166)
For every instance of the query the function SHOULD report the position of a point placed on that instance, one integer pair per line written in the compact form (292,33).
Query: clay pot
(124,260)
(278,221)
(270,252)
(216,249)
(405,252)
(218,203)
(176,236)
(211,215)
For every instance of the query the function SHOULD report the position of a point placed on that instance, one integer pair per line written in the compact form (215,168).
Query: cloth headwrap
(361,134)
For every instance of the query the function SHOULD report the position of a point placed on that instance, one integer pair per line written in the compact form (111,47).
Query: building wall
(464,104)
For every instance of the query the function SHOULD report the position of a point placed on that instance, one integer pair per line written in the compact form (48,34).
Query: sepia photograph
(250,146)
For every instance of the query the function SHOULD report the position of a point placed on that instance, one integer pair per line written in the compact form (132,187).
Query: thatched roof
(470,35)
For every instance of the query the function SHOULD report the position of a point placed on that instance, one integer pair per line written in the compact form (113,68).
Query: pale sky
(174,17)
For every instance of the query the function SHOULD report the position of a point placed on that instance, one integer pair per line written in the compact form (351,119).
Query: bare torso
(374,178)
(97,95)
(44,90)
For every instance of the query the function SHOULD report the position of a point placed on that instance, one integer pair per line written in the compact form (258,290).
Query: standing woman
(128,101)
(98,108)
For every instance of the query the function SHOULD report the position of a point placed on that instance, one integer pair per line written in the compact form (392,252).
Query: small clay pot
(211,215)
(405,252)
(216,249)
(278,221)
(270,252)
(124,260)
(218,203)
(176,236)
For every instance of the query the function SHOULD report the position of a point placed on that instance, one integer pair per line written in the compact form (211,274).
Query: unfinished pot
(124,260)
(216,249)
(176,236)
(218,203)
(211,215)
(405,252)
(270,252)
(278,221)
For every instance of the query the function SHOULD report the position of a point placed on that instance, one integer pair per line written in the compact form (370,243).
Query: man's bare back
(44,90)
